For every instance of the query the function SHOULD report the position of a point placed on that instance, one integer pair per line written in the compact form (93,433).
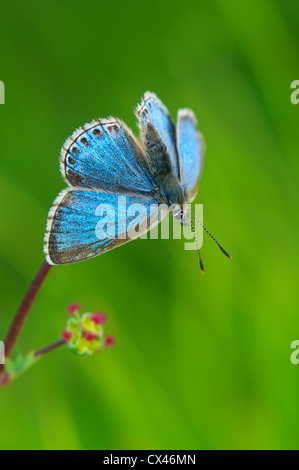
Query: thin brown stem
(4,380)
(23,311)
(50,347)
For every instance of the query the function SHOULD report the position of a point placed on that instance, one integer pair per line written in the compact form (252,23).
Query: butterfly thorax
(171,189)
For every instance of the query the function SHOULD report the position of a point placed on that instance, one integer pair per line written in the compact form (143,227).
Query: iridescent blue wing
(105,155)
(152,111)
(79,218)
(191,151)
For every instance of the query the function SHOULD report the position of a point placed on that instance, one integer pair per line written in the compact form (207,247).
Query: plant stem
(4,380)
(49,348)
(23,311)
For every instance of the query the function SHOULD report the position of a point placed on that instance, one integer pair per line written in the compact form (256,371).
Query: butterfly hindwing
(79,217)
(191,151)
(105,155)
(152,110)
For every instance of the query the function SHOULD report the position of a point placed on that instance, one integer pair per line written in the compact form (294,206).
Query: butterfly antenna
(199,257)
(222,249)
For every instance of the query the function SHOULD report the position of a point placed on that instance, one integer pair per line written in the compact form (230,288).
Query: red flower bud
(89,336)
(109,341)
(66,335)
(98,318)
(73,308)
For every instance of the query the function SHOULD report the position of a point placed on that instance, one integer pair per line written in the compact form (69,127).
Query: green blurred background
(200,362)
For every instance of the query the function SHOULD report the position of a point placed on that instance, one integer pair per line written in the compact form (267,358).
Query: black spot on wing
(84,141)
(113,128)
(97,132)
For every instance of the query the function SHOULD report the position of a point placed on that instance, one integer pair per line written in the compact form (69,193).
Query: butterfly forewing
(191,152)
(151,110)
(104,155)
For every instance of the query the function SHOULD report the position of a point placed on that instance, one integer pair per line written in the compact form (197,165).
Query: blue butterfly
(103,161)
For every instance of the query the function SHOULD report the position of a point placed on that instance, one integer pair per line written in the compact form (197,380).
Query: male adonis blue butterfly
(102,161)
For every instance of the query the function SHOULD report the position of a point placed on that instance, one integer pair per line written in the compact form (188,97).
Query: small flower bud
(67,335)
(109,341)
(98,318)
(90,336)
(73,308)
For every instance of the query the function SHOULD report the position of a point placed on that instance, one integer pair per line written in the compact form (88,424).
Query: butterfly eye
(97,132)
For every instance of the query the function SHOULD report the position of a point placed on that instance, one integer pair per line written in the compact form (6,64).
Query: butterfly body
(103,163)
